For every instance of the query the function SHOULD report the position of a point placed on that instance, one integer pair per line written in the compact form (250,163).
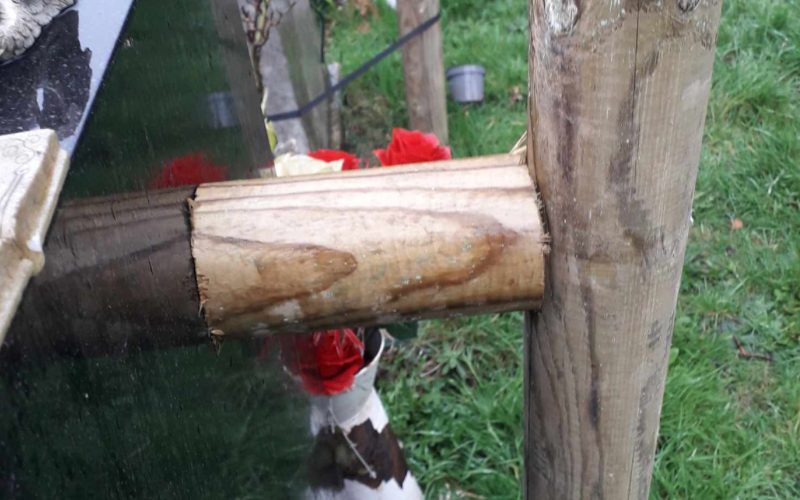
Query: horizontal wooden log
(368,247)
(285,255)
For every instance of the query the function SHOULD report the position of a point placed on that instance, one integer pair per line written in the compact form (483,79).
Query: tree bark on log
(617,107)
(376,246)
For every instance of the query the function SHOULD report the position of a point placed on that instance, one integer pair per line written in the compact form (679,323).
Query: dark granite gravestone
(130,87)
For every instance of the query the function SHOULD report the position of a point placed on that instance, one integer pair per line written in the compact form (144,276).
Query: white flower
(289,164)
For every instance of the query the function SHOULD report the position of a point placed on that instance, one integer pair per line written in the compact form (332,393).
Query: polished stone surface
(132,92)
(132,86)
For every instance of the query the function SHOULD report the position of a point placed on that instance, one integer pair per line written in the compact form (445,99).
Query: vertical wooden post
(423,68)
(617,106)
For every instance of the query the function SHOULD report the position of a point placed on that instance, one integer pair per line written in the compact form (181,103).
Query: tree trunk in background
(618,99)
(423,68)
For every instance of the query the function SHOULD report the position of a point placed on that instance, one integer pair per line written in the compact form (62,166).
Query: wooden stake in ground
(618,99)
(423,68)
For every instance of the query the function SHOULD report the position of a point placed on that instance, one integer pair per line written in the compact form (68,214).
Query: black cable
(305,108)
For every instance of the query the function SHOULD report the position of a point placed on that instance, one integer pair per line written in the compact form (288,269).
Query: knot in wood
(687,5)
(561,16)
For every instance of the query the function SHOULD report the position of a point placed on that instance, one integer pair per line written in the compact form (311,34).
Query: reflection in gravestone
(120,413)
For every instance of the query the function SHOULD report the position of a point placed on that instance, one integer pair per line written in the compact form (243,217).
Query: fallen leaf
(365,7)
(363,28)
(515,94)
(736,224)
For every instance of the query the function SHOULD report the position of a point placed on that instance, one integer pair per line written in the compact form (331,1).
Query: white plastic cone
(356,455)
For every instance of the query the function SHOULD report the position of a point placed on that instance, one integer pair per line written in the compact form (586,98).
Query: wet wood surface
(32,171)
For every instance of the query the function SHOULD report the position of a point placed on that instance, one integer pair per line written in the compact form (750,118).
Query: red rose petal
(188,170)
(412,146)
(326,362)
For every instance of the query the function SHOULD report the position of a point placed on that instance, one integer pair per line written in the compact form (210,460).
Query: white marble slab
(32,171)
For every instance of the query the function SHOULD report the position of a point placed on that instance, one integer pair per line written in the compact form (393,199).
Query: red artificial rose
(326,362)
(350,162)
(188,170)
(412,146)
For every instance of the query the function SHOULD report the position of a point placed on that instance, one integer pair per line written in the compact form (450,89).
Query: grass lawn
(730,427)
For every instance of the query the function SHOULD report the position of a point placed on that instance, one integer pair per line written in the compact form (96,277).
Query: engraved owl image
(21,22)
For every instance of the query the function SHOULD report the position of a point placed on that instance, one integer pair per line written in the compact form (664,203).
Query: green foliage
(324,8)
(730,427)
(376,102)
(455,398)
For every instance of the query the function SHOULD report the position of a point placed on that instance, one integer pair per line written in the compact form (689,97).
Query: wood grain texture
(423,68)
(369,247)
(617,107)
(118,275)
